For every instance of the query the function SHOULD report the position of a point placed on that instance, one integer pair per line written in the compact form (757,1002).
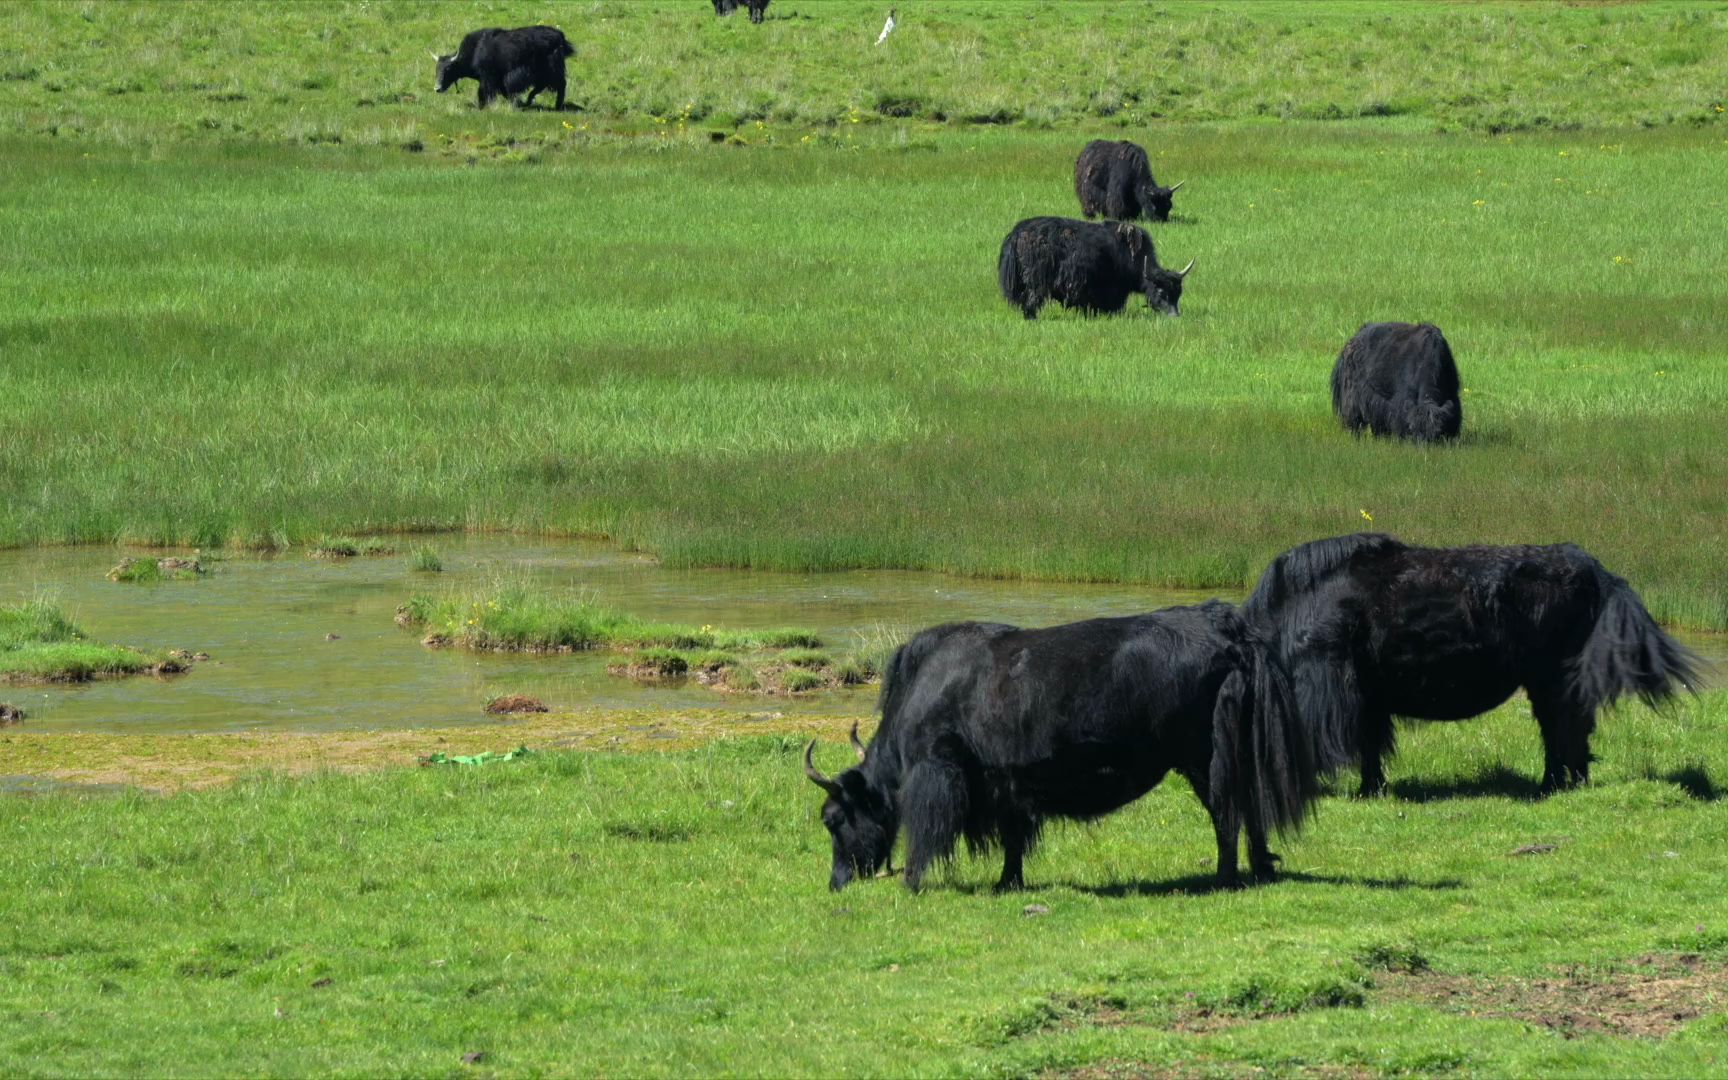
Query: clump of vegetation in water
(346,547)
(38,643)
(424,560)
(516,618)
(134,569)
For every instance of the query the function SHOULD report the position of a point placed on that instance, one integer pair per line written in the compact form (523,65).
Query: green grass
(517,617)
(143,569)
(424,560)
(347,547)
(359,74)
(38,643)
(668,915)
(852,392)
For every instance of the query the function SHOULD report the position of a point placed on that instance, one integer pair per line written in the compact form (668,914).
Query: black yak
(1398,379)
(1371,628)
(508,62)
(988,730)
(1079,264)
(756,8)
(1115,179)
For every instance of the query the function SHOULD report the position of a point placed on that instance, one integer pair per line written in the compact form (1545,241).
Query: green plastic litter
(490,757)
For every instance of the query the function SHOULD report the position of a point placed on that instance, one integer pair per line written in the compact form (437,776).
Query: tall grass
(820,373)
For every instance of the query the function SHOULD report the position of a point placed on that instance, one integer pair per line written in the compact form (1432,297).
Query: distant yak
(1398,379)
(756,8)
(508,62)
(989,730)
(1094,267)
(1115,179)
(1371,628)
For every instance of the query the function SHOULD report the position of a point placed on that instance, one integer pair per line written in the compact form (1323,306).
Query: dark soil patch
(515,703)
(10,714)
(1654,997)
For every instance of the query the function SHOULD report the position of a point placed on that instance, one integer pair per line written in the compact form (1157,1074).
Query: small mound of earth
(515,703)
(1659,994)
(10,714)
(171,566)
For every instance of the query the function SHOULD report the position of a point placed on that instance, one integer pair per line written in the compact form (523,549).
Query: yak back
(525,46)
(1062,707)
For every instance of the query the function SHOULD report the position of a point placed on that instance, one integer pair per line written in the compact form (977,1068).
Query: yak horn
(815,774)
(435,55)
(856,745)
(1178,184)
(1184,271)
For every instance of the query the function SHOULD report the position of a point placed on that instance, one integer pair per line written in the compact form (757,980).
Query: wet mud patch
(1652,997)
(510,704)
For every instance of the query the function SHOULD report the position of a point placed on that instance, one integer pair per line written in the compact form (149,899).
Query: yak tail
(1276,773)
(1627,653)
(1008,272)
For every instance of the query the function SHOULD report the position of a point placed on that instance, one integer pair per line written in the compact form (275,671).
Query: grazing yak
(1079,264)
(1398,379)
(1115,179)
(756,8)
(1371,628)
(508,62)
(989,730)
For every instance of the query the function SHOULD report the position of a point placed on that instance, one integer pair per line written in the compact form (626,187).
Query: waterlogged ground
(267,624)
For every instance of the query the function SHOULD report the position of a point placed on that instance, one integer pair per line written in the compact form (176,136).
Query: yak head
(1155,201)
(1163,287)
(449,71)
(860,819)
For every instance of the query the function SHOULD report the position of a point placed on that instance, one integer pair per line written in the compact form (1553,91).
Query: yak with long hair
(1114,179)
(1398,380)
(1079,264)
(989,730)
(1371,628)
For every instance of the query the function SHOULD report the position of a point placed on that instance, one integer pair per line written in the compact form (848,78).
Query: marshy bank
(310,644)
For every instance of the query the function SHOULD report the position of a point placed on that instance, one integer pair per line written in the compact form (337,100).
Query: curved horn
(1144,259)
(1184,271)
(1178,184)
(435,55)
(815,774)
(856,745)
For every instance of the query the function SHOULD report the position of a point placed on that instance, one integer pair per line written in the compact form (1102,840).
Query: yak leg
(1566,729)
(559,86)
(1374,738)
(487,93)
(1016,837)
(1262,861)
(933,806)
(1226,824)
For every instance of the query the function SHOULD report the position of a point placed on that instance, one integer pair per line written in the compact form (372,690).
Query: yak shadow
(1496,781)
(1694,780)
(1201,884)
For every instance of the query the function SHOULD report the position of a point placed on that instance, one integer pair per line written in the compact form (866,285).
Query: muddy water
(267,623)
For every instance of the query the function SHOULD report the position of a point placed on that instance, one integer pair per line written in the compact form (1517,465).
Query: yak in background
(1079,264)
(1115,179)
(988,730)
(508,62)
(756,8)
(1398,379)
(1371,628)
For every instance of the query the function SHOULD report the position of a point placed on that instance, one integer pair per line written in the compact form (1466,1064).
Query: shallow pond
(266,623)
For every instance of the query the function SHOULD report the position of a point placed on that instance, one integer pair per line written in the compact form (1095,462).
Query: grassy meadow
(649,914)
(260,287)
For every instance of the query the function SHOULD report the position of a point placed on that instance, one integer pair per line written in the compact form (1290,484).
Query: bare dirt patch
(515,703)
(1651,998)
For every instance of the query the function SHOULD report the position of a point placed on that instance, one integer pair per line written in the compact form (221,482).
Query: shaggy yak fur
(1115,179)
(1093,267)
(988,730)
(1371,628)
(1398,379)
(508,62)
(756,8)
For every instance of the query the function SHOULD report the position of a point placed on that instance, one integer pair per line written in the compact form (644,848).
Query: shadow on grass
(1496,781)
(1694,780)
(1199,884)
